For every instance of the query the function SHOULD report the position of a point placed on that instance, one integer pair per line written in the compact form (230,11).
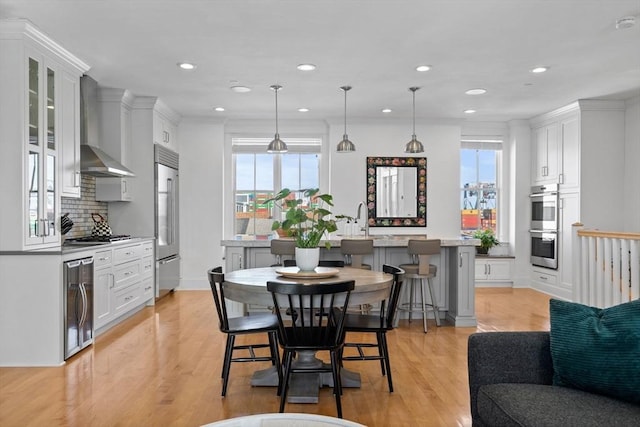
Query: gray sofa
(510,384)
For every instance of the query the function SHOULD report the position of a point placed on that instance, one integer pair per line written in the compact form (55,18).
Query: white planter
(307,259)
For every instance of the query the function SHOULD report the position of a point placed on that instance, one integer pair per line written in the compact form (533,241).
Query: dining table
(249,286)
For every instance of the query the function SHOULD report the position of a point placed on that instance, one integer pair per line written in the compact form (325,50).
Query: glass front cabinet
(31,71)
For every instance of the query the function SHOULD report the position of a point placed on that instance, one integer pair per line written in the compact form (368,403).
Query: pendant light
(345,145)
(277,145)
(414,146)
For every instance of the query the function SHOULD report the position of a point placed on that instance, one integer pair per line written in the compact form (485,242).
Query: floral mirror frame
(420,163)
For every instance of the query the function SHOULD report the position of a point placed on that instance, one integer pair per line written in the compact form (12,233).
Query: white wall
(632,166)
(201,191)
(388,139)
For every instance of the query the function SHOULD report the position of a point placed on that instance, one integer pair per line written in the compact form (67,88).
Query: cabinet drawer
(126,274)
(127,253)
(543,277)
(102,258)
(146,268)
(147,249)
(148,288)
(127,298)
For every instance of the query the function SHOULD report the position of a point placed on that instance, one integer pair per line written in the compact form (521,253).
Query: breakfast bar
(453,284)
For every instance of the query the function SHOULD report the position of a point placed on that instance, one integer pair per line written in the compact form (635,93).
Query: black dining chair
(232,327)
(311,318)
(321,263)
(376,324)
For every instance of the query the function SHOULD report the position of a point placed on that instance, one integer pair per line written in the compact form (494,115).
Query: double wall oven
(544,225)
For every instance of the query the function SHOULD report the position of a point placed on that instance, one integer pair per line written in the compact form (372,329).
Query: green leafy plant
(487,239)
(306,218)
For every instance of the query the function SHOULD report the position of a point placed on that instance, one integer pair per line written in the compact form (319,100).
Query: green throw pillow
(597,350)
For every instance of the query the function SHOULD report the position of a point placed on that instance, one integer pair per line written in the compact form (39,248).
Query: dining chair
(232,327)
(376,324)
(322,263)
(310,319)
(421,251)
(282,247)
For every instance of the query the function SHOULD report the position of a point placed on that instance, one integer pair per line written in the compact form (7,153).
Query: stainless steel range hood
(94,161)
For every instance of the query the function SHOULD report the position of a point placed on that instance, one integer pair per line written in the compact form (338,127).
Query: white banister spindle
(634,266)
(606,267)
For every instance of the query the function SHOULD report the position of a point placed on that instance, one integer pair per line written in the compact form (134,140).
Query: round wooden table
(249,286)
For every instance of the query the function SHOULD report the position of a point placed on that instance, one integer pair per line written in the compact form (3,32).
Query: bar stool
(280,247)
(353,251)
(420,269)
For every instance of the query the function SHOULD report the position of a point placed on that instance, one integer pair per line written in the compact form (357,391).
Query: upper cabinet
(545,154)
(165,127)
(39,134)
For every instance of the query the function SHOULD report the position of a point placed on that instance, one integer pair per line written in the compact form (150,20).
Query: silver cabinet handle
(460,256)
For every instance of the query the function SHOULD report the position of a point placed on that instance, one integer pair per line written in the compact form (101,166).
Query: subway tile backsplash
(80,210)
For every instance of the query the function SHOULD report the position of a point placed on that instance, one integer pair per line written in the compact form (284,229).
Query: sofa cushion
(597,350)
(545,405)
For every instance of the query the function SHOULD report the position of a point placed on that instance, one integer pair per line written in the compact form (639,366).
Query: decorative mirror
(397,191)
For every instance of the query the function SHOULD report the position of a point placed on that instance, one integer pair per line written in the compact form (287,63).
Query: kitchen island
(453,285)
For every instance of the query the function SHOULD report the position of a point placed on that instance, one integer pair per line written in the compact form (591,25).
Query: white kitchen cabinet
(37,81)
(123,281)
(114,189)
(545,155)
(69,158)
(490,271)
(165,131)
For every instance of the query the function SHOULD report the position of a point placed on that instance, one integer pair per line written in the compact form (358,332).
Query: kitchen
(204,154)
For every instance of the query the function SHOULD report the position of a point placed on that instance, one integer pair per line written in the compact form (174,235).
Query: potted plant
(306,220)
(487,240)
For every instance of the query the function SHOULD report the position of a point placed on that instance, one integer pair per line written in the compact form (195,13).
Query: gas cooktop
(97,240)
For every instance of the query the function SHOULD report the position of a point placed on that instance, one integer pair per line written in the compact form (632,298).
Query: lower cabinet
(123,281)
(494,271)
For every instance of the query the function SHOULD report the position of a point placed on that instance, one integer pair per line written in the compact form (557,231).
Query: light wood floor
(162,368)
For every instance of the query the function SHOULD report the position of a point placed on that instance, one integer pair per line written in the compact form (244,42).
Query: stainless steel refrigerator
(167,224)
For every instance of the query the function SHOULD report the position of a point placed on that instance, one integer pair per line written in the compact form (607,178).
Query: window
(260,175)
(480,163)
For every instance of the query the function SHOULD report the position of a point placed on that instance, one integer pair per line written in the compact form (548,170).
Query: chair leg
(424,305)
(385,354)
(227,363)
(275,357)
(224,359)
(288,356)
(411,292)
(380,339)
(436,309)
(337,385)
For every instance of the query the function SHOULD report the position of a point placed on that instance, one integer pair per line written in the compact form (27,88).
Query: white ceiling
(372,45)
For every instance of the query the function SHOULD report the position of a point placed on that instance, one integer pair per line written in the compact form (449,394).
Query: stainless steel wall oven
(544,225)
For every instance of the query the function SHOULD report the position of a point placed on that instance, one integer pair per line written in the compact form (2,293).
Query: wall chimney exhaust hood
(94,161)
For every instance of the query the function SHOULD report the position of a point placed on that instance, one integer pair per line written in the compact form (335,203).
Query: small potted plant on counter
(487,240)
(306,220)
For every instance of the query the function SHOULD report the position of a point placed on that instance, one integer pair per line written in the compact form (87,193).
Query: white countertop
(378,241)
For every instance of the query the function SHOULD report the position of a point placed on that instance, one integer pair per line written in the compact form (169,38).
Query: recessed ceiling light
(478,91)
(240,89)
(186,65)
(423,68)
(303,110)
(469,111)
(306,67)
(386,110)
(219,109)
(538,70)
(625,22)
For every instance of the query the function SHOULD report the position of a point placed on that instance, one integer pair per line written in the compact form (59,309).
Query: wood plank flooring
(162,366)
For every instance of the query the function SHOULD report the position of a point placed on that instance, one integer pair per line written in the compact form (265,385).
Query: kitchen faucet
(366,222)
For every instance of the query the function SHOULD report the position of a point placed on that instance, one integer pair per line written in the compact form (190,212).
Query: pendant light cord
(345,111)
(276,90)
